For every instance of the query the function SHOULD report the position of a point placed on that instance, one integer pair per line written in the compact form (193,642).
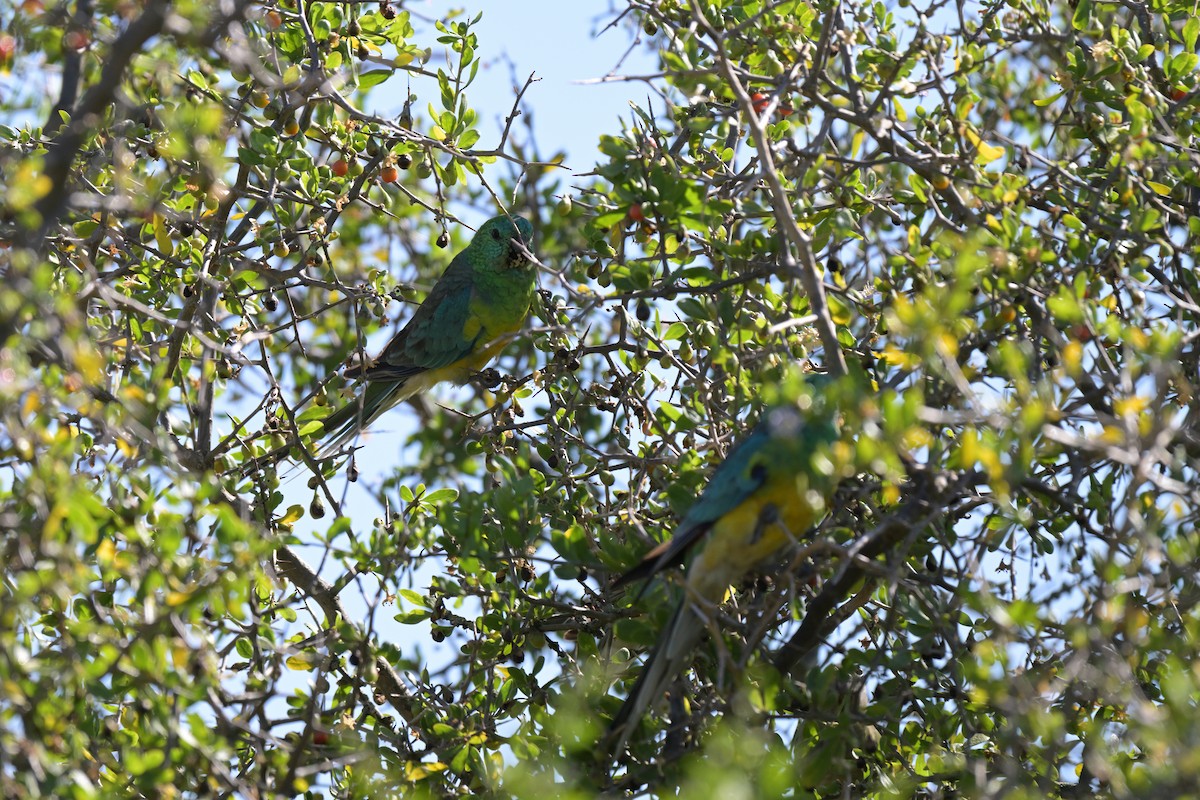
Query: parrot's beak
(521,252)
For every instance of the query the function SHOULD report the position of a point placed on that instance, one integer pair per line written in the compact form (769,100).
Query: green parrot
(770,489)
(473,311)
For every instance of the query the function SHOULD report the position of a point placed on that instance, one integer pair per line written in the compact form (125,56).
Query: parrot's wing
(742,473)
(435,336)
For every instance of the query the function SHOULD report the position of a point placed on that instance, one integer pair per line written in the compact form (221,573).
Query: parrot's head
(505,241)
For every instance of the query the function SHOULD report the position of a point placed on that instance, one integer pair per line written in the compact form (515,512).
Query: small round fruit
(940,182)
(259,99)
(759,102)
(77,40)
(281,249)
(291,129)
(340,167)
(636,214)
(389,174)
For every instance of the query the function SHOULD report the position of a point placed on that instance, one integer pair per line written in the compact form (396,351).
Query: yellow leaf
(838,311)
(180,655)
(293,514)
(1159,188)
(106,552)
(987,152)
(916,437)
(161,236)
(1112,435)
(1072,358)
(301,663)
(1131,405)
(948,343)
(419,772)
(175,599)
(31,404)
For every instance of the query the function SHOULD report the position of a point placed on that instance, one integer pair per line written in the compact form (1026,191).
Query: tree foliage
(980,220)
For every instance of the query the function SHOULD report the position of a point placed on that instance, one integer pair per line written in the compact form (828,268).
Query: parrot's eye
(495,234)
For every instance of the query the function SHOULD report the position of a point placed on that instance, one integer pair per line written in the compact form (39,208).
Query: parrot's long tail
(343,425)
(669,659)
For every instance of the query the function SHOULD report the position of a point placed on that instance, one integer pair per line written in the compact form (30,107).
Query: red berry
(8,46)
(759,101)
(636,214)
(76,40)
(1178,93)
(389,174)
(340,167)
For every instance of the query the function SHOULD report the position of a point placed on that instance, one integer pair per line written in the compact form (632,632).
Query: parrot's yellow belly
(775,515)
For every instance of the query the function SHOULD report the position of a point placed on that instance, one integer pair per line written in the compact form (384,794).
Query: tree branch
(60,156)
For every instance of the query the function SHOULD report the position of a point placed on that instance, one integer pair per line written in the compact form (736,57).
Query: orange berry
(940,182)
(389,174)
(759,101)
(1178,93)
(273,20)
(291,129)
(636,214)
(340,167)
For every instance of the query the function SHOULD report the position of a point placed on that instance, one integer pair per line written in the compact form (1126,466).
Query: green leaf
(1082,15)
(368,80)
(444,495)
(416,598)
(309,428)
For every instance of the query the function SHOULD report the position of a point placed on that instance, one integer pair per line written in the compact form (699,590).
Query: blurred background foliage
(982,217)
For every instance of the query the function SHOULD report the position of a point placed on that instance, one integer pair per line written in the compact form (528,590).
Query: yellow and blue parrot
(472,312)
(770,489)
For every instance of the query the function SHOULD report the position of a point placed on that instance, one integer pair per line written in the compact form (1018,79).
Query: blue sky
(558,41)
